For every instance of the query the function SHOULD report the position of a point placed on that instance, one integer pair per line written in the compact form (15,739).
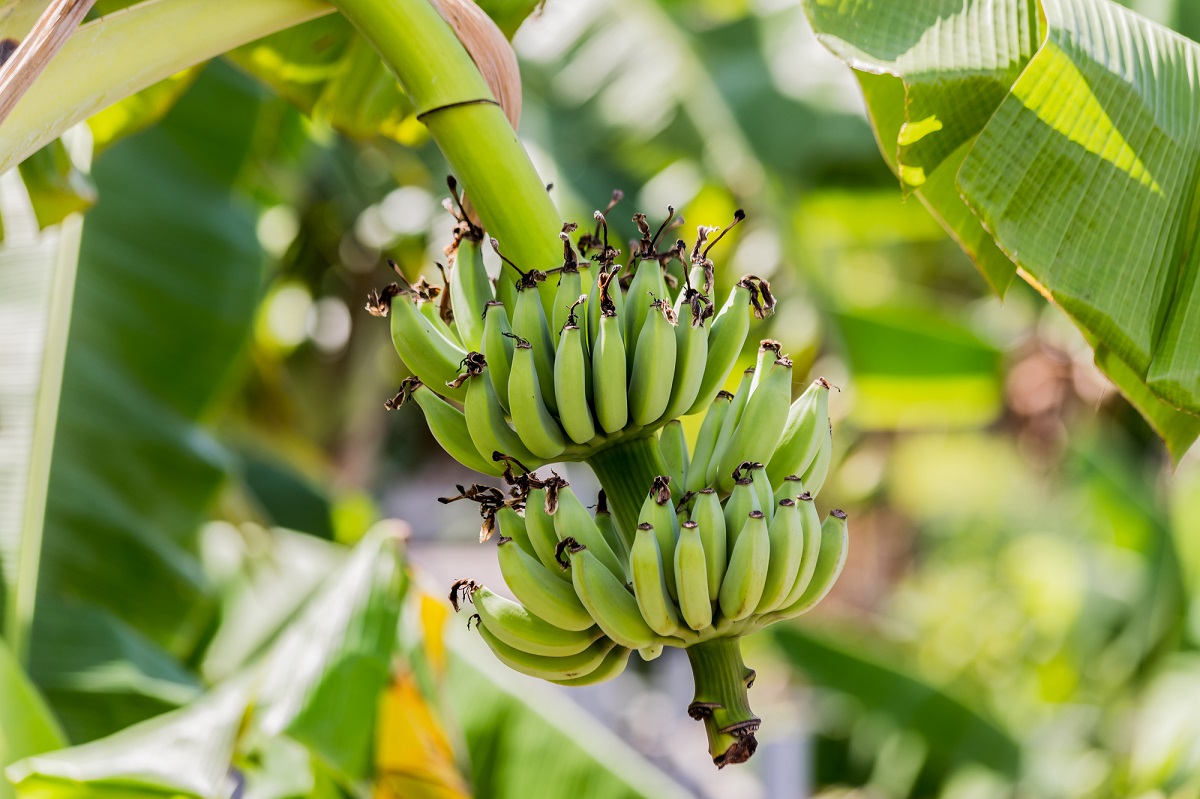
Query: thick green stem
(721,701)
(626,472)
(454,101)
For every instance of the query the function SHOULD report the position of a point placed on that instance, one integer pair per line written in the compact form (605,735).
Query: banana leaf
(1062,132)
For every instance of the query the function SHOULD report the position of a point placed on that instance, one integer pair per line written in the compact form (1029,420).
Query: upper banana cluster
(614,352)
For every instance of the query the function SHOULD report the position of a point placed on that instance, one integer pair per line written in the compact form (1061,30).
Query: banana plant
(1054,140)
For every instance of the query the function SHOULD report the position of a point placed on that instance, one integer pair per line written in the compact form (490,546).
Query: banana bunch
(726,543)
(547,373)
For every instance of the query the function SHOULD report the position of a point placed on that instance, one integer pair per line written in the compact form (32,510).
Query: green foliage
(1093,85)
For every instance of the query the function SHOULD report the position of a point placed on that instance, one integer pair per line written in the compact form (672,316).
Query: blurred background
(1020,613)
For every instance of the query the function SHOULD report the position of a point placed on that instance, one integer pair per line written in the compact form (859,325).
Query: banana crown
(581,356)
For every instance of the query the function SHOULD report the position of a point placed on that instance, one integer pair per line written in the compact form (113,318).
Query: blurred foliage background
(1020,614)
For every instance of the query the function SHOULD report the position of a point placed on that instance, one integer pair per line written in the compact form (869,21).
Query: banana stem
(626,472)
(721,700)
(455,103)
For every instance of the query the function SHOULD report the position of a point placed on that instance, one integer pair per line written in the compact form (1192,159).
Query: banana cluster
(612,353)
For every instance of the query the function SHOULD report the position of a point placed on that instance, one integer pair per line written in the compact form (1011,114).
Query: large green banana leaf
(1062,134)
(169,277)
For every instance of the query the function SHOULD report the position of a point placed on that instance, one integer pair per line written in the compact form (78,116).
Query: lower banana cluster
(727,542)
(545,373)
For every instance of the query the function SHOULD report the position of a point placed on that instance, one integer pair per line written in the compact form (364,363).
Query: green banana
(606,598)
(613,664)
(710,521)
(542,535)
(608,375)
(691,577)
(762,488)
(810,526)
(728,425)
(431,356)
(432,311)
(726,336)
(743,500)
(807,417)
(814,476)
(747,573)
(548,668)
(512,527)
(653,365)
(571,367)
(646,288)
(835,543)
(540,589)
(658,511)
(673,447)
(691,351)
(648,653)
(448,425)
(608,528)
(769,351)
(470,292)
(791,486)
(787,552)
(513,624)
(485,418)
(572,520)
(760,425)
(529,323)
(537,427)
(706,441)
(566,298)
(650,582)
(498,348)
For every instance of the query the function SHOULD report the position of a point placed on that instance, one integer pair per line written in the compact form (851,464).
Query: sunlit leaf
(1075,124)
(56,187)
(26,724)
(141,110)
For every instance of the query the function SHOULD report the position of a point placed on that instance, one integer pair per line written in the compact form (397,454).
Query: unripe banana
(448,425)
(648,653)
(540,589)
(548,668)
(814,476)
(538,430)
(726,336)
(787,552)
(529,323)
(566,297)
(747,573)
(769,351)
(706,441)
(431,356)
(613,664)
(608,528)
(762,488)
(691,577)
(608,375)
(653,365)
(658,511)
(542,535)
(516,626)
(606,598)
(571,367)
(673,446)
(485,418)
(470,292)
(512,528)
(791,486)
(760,425)
(810,526)
(650,582)
(710,520)
(691,352)
(498,349)
(432,311)
(646,287)
(728,425)
(572,520)
(835,543)
(741,502)
(807,418)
